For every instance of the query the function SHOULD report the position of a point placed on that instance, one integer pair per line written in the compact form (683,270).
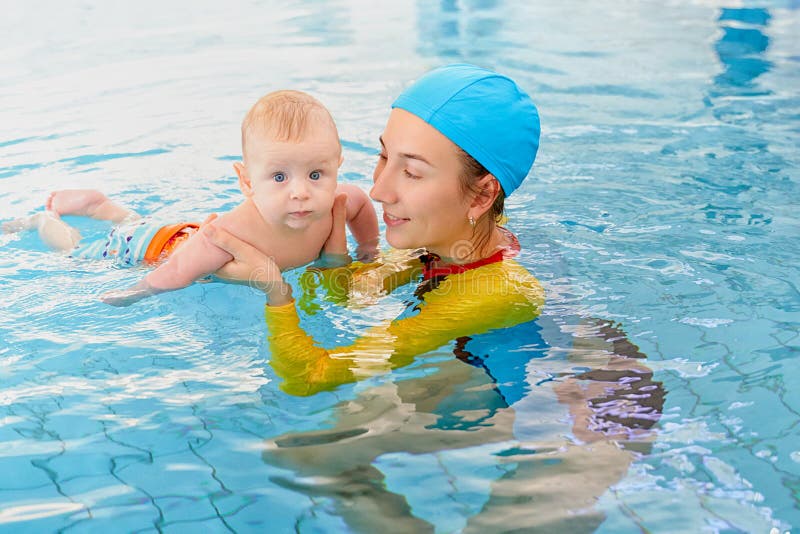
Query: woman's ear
(244,179)
(487,189)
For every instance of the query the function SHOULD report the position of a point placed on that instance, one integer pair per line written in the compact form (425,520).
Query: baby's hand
(126,297)
(120,298)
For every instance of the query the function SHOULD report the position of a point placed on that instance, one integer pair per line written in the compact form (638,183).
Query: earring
(472,222)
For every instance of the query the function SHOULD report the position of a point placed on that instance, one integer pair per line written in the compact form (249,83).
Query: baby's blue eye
(279,177)
(315,175)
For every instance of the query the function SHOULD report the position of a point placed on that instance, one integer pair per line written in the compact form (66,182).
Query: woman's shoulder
(492,296)
(507,272)
(503,282)
(509,243)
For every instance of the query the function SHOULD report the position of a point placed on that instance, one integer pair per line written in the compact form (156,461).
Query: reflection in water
(595,412)
(740,49)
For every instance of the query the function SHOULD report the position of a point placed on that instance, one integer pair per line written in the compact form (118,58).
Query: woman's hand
(359,213)
(248,266)
(334,251)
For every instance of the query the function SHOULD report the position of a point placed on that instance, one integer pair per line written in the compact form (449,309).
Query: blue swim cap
(486,114)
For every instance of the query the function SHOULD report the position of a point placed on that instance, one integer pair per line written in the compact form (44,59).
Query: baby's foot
(23,223)
(74,201)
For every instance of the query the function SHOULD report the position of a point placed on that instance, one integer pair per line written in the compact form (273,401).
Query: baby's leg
(55,233)
(89,203)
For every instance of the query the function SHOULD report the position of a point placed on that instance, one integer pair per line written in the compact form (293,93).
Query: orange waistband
(165,240)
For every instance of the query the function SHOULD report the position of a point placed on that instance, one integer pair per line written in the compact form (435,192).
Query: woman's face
(417,183)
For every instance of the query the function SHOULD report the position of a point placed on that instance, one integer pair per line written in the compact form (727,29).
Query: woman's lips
(391,220)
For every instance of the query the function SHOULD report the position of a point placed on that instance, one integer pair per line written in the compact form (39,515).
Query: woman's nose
(382,188)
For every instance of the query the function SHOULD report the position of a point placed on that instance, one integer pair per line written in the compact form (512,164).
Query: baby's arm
(361,218)
(192,260)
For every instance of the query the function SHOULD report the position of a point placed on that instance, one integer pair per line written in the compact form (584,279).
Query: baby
(291,155)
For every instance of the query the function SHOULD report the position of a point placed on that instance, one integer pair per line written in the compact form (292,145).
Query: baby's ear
(244,179)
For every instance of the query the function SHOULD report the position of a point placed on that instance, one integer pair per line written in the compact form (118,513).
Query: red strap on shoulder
(431,268)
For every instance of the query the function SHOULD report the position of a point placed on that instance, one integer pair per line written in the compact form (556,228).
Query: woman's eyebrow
(408,155)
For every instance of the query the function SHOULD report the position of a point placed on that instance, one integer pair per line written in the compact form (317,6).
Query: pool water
(664,199)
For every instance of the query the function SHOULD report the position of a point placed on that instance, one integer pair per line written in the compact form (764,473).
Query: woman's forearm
(304,367)
(278,293)
(308,368)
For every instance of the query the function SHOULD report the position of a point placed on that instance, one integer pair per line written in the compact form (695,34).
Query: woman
(457,143)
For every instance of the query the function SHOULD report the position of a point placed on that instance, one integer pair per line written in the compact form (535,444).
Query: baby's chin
(300,220)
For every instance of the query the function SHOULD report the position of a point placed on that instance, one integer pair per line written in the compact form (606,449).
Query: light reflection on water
(663,198)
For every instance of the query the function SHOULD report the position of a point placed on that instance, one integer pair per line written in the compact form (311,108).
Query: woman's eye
(414,176)
(279,177)
(315,175)
(382,156)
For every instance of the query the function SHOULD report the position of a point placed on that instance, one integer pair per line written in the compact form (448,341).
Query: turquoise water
(664,198)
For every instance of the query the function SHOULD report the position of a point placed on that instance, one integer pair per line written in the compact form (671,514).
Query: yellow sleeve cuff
(281,318)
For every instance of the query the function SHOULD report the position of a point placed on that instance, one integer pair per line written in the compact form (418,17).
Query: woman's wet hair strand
(471,173)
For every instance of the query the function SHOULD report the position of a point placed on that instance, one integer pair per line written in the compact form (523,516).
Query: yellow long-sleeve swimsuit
(449,303)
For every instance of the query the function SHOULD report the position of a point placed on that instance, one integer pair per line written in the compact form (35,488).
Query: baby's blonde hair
(284,116)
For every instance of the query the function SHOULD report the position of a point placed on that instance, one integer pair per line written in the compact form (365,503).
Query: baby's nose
(299,189)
